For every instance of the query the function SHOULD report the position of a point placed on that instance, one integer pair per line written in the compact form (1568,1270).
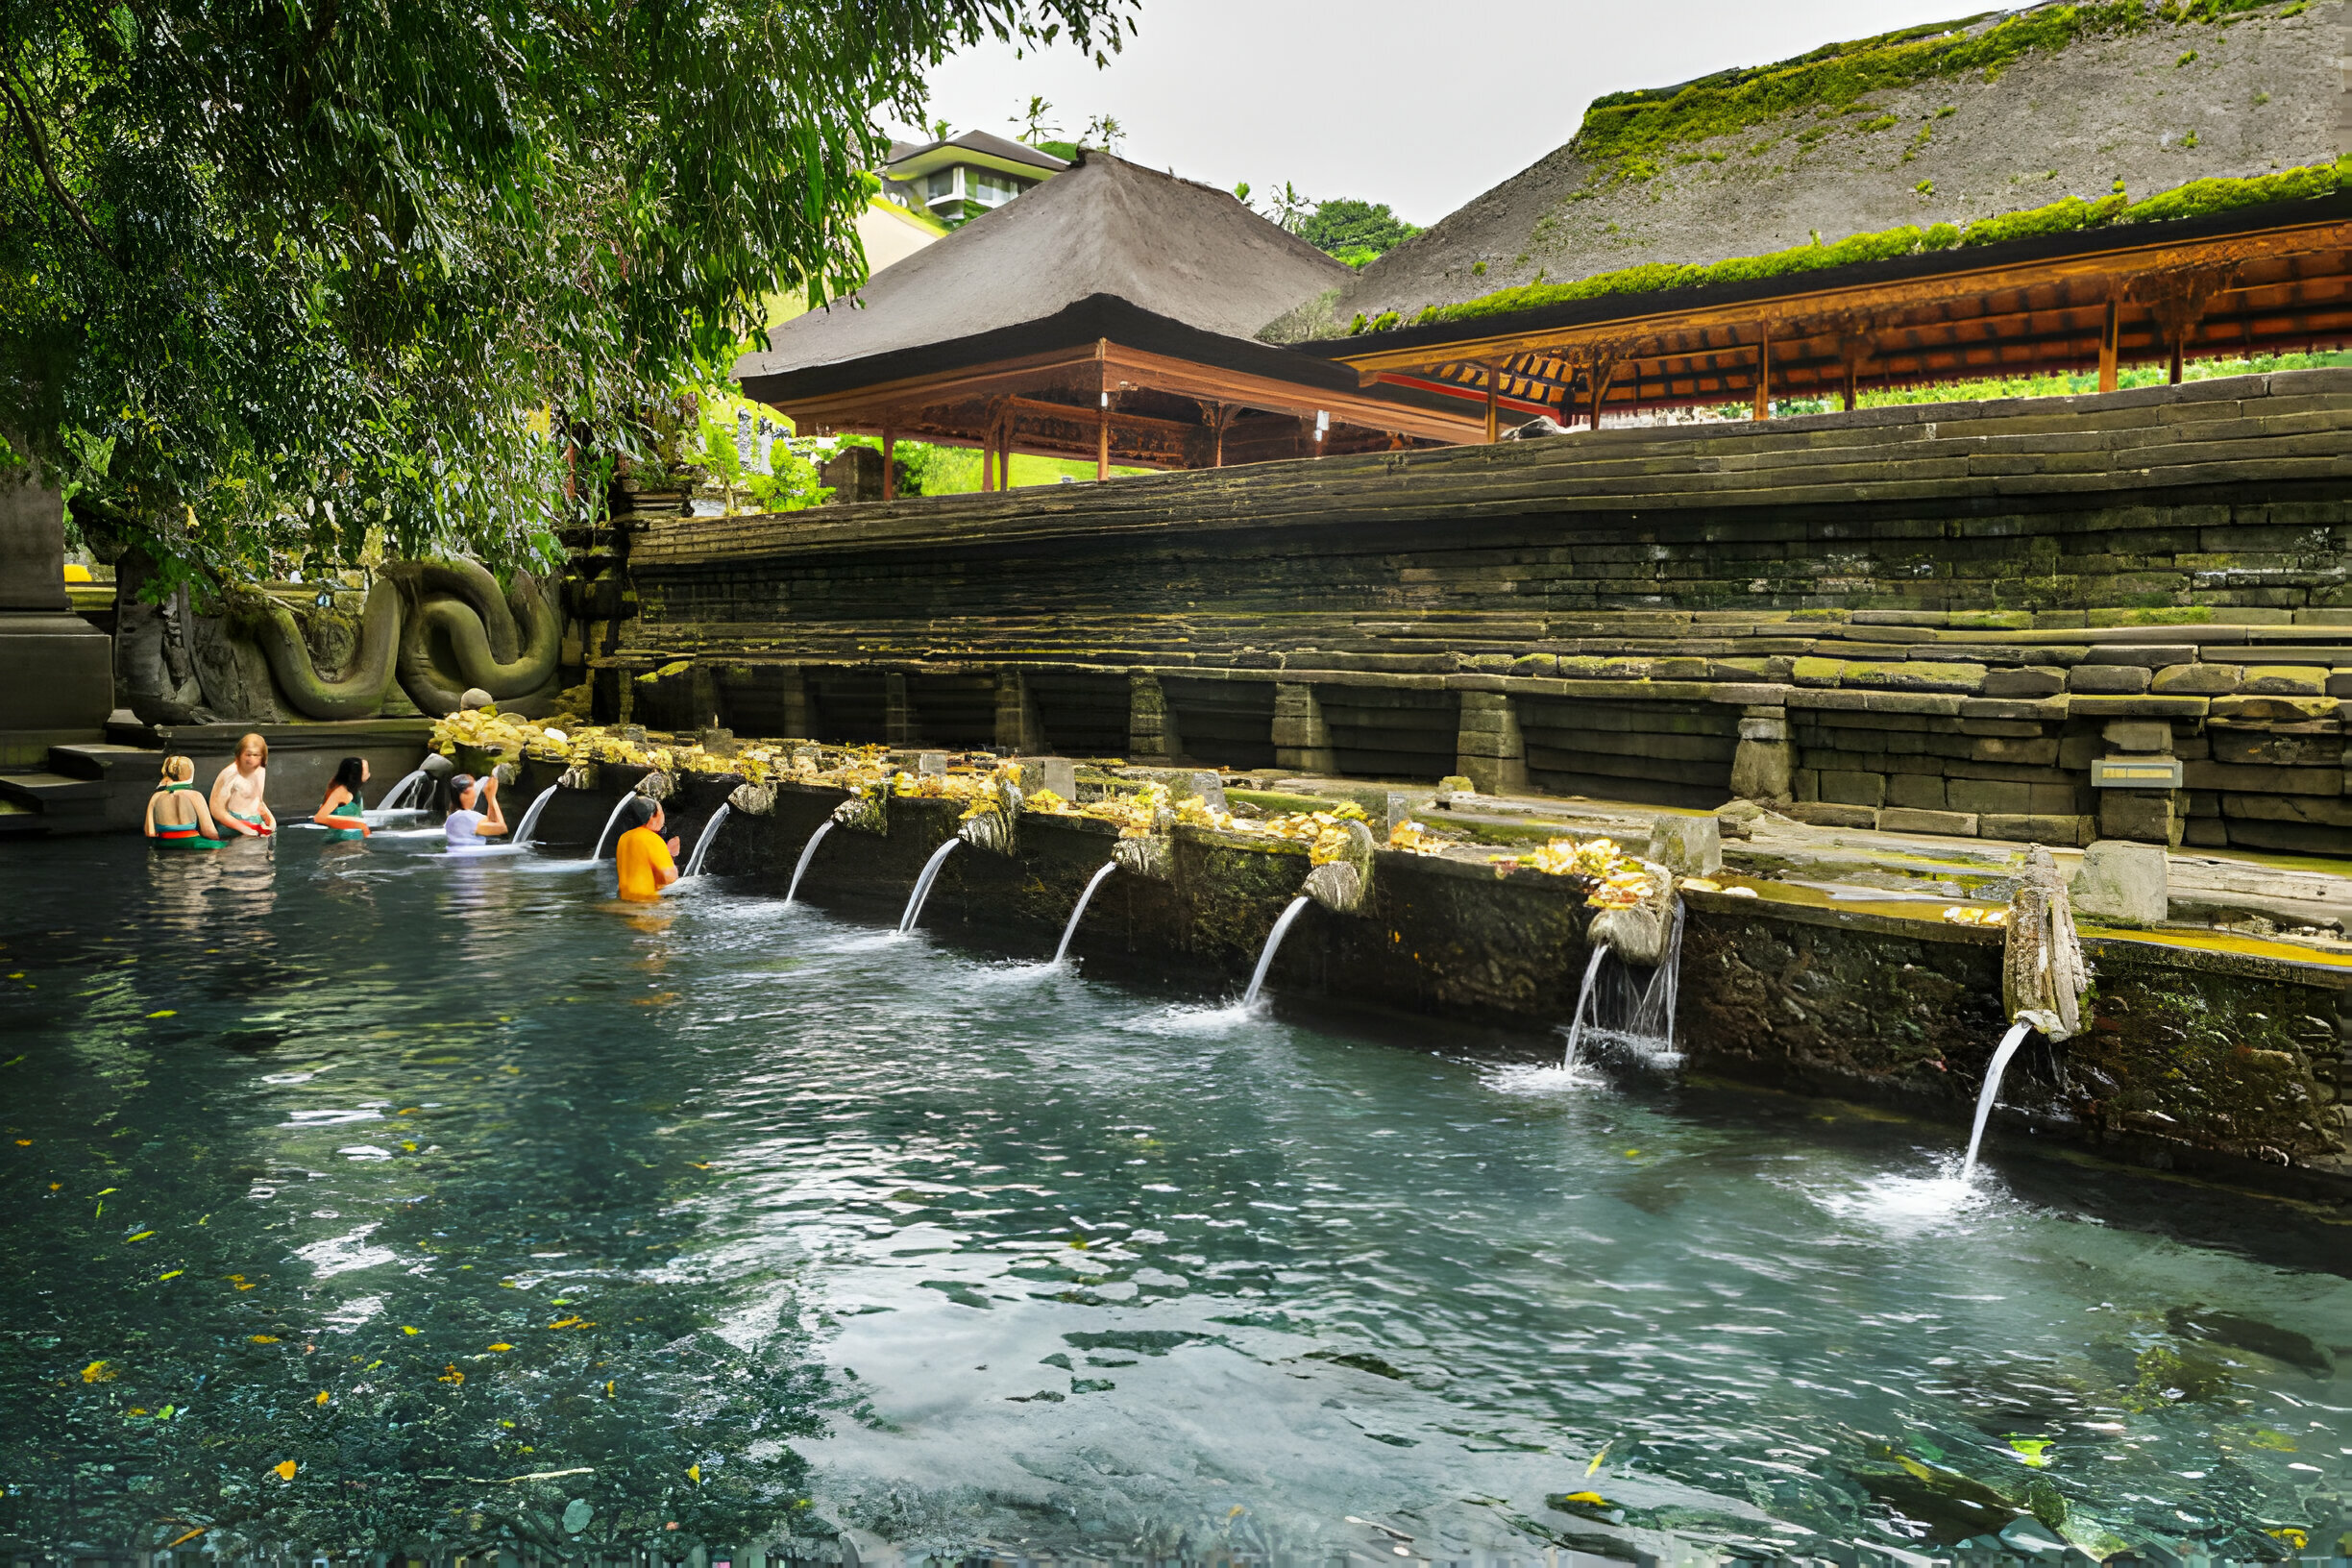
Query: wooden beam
(2127,255)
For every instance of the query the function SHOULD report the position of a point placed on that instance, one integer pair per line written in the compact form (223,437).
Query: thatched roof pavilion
(1106,314)
(2267,278)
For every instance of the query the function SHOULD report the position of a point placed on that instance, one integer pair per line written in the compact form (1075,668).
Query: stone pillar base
(1151,723)
(1764,767)
(1489,748)
(1018,728)
(60,684)
(898,727)
(1302,741)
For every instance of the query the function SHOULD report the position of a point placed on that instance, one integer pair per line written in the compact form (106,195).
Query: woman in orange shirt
(646,861)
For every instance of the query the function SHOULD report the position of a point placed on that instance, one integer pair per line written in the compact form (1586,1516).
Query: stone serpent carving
(439,627)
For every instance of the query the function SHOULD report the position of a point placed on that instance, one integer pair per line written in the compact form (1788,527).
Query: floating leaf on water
(323,1397)
(406,1329)
(451,1376)
(168,1013)
(608,1390)
(264,1338)
(285,1469)
(2034,1451)
(173,1275)
(1593,1468)
(502,1345)
(98,1372)
(2266,1438)
(142,1236)
(694,1473)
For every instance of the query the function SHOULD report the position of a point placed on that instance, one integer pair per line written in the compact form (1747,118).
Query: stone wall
(1930,619)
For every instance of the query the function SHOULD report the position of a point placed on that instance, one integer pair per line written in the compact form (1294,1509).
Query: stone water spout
(2044,979)
(1639,934)
(1343,882)
(2044,976)
(993,823)
(868,811)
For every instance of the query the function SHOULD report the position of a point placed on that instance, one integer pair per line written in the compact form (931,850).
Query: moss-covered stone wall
(1933,619)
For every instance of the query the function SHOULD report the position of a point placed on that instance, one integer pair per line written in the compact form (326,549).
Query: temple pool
(362,1200)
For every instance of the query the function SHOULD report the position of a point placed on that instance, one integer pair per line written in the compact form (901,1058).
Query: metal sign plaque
(2136,773)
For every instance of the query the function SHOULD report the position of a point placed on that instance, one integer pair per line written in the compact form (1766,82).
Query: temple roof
(1166,246)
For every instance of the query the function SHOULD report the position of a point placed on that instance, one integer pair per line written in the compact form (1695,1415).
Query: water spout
(399,793)
(1076,914)
(619,806)
(1576,1025)
(1609,1009)
(530,816)
(923,884)
(808,853)
(1274,937)
(710,831)
(1985,1097)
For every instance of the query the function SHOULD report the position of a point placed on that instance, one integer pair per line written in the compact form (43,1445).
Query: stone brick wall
(1915,619)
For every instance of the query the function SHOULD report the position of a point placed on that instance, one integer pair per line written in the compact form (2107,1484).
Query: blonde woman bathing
(176,815)
(237,802)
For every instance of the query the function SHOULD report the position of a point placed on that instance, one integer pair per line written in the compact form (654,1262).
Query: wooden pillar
(2111,342)
(1603,374)
(2178,339)
(1102,439)
(988,461)
(1494,375)
(1218,461)
(1763,384)
(889,478)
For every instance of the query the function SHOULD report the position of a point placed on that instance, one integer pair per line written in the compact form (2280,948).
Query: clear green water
(795,1226)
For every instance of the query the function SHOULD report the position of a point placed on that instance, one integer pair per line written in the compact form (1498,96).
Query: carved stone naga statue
(428,632)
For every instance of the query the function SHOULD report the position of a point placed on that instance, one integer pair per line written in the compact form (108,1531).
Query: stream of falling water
(619,806)
(1274,940)
(923,884)
(808,853)
(1985,1097)
(530,815)
(702,844)
(1078,913)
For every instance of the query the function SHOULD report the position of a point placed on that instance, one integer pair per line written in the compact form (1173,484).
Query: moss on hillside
(1626,133)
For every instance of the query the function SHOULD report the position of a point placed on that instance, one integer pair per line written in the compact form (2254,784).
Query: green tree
(1289,207)
(1355,231)
(274,275)
(1032,121)
(1104,131)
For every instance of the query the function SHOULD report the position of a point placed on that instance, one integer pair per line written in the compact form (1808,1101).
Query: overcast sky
(1421,103)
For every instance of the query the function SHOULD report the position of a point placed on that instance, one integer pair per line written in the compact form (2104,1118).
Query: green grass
(2057,384)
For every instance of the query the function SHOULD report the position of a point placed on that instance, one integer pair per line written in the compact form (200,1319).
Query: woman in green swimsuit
(177,815)
(343,812)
